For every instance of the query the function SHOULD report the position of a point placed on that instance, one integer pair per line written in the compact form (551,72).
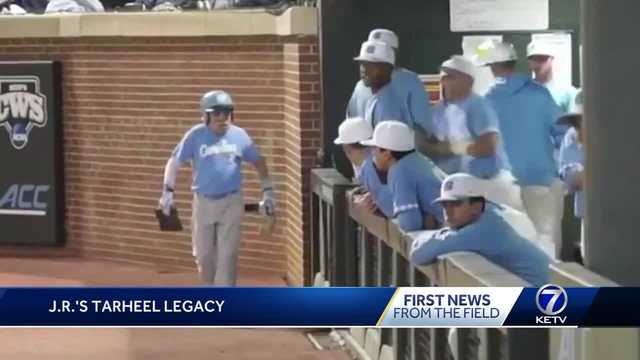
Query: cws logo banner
(31,184)
(22,107)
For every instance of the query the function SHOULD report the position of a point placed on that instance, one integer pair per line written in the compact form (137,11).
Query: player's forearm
(484,146)
(430,222)
(410,220)
(263,173)
(435,148)
(423,251)
(447,148)
(171,172)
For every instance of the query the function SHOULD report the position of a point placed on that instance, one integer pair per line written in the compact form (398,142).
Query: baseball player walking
(216,149)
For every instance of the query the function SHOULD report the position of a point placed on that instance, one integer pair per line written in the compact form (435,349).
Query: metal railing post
(528,344)
(316,201)
(343,246)
(495,348)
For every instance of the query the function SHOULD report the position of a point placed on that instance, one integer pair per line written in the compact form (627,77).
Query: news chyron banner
(31,184)
(548,306)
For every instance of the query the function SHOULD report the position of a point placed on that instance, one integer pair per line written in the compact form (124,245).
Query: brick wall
(127,101)
(302,141)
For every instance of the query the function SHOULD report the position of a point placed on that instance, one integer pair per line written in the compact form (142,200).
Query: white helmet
(460,186)
(540,48)
(458,63)
(494,51)
(386,36)
(353,130)
(376,51)
(392,135)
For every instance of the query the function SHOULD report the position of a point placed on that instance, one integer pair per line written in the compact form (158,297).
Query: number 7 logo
(551,297)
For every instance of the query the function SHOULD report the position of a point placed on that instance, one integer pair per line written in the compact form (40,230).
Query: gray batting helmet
(216,100)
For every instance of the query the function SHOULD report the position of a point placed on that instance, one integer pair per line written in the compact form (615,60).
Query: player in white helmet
(475,224)
(466,135)
(541,60)
(405,83)
(527,122)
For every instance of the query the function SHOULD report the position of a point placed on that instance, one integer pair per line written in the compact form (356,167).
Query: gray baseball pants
(215,237)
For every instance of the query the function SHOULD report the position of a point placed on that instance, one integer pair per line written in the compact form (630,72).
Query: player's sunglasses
(220,111)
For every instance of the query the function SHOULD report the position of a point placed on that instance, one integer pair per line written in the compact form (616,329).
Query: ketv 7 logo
(551,301)
(22,107)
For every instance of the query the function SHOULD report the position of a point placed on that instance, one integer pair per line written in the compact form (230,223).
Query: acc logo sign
(22,107)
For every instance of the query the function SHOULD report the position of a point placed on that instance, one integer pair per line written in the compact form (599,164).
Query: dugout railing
(353,248)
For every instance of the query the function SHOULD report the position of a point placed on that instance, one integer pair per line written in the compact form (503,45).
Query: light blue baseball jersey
(370,179)
(410,91)
(358,101)
(465,121)
(385,105)
(527,117)
(414,183)
(563,95)
(357,170)
(571,163)
(493,236)
(216,159)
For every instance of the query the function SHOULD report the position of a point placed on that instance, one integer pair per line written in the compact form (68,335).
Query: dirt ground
(147,343)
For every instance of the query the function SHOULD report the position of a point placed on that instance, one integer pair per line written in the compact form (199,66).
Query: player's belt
(219,196)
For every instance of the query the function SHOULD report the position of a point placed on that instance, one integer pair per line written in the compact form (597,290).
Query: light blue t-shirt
(357,170)
(414,183)
(493,236)
(563,95)
(465,121)
(216,160)
(409,89)
(370,179)
(385,105)
(571,163)
(527,117)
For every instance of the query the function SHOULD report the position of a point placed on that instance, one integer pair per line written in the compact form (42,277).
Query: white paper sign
(562,62)
(499,15)
(483,78)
